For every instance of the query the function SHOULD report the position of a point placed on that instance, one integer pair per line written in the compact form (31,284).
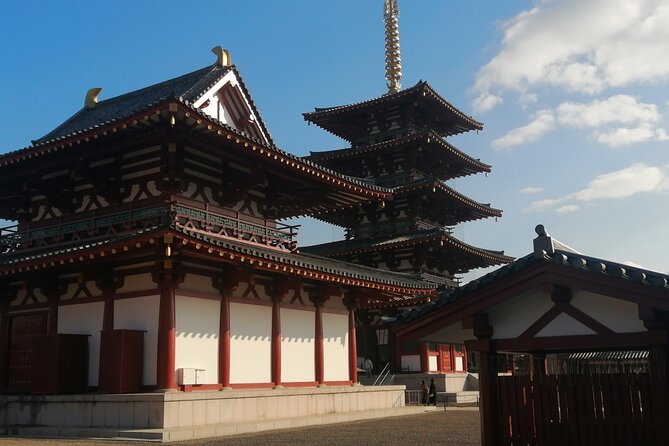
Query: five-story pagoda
(399,141)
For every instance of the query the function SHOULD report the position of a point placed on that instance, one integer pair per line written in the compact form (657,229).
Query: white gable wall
(511,318)
(618,315)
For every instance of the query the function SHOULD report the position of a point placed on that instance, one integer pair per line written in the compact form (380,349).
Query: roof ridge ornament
(223,58)
(91,99)
(393,59)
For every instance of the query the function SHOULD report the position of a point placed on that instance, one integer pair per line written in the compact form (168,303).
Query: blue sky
(573,94)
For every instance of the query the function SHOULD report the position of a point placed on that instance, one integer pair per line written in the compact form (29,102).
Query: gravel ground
(449,428)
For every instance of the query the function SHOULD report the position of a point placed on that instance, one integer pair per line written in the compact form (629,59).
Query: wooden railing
(220,222)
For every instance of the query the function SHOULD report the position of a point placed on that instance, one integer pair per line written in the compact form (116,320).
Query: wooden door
(22,331)
(445,357)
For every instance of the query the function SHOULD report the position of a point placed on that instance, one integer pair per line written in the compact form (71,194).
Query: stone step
(216,430)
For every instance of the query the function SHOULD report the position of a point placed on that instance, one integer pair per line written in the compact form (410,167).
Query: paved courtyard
(445,428)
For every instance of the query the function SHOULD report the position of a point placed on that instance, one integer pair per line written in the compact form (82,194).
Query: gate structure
(593,336)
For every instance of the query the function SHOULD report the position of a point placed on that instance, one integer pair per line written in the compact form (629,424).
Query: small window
(382,336)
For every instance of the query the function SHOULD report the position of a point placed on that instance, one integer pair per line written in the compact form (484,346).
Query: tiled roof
(188,88)
(343,247)
(478,210)
(470,165)
(461,122)
(557,254)
(348,271)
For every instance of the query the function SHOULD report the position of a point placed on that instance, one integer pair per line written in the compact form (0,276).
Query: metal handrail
(382,376)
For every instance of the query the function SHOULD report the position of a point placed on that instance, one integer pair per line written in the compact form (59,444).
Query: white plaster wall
(250,343)
(198,283)
(141,313)
(297,346)
(138,282)
(335,346)
(411,363)
(564,325)
(197,324)
(85,319)
(450,334)
(618,315)
(432,363)
(511,318)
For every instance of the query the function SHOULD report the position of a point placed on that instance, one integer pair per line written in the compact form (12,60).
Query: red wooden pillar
(276,341)
(352,347)
(108,282)
(424,358)
(4,337)
(488,394)
(319,350)
(224,343)
(167,280)
(52,289)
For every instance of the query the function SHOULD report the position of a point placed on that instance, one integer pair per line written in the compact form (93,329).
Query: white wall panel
(85,319)
(514,316)
(564,325)
(250,343)
(620,316)
(197,323)
(411,363)
(335,346)
(141,313)
(297,345)
(432,363)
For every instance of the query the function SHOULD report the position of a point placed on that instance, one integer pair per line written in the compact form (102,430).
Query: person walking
(424,393)
(433,393)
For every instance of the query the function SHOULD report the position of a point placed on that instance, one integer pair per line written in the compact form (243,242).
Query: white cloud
(543,122)
(531,190)
(567,209)
(635,179)
(618,109)
(579,46)
(599,113)
(625,136)
(486,102)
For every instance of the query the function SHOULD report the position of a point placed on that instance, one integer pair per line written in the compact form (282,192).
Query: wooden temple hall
(149,256)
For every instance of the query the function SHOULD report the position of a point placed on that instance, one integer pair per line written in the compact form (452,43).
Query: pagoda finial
(393,59)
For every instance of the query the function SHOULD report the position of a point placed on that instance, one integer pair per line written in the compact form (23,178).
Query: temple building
(147,254)
(399,141)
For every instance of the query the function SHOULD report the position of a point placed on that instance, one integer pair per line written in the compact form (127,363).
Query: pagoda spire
(393,59)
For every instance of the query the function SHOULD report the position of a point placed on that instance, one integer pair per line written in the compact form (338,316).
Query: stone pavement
(453,427)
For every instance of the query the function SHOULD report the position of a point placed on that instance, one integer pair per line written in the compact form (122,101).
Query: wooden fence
(592,410)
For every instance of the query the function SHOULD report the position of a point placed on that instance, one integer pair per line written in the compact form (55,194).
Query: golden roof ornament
(91,99)
(393,59)
(223,58)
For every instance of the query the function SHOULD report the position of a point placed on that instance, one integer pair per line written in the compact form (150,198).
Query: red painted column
(166,336)
(4,338)
(224,343)
(488,398)
(276,342)
(319,351)
(352,347)
(424,358)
